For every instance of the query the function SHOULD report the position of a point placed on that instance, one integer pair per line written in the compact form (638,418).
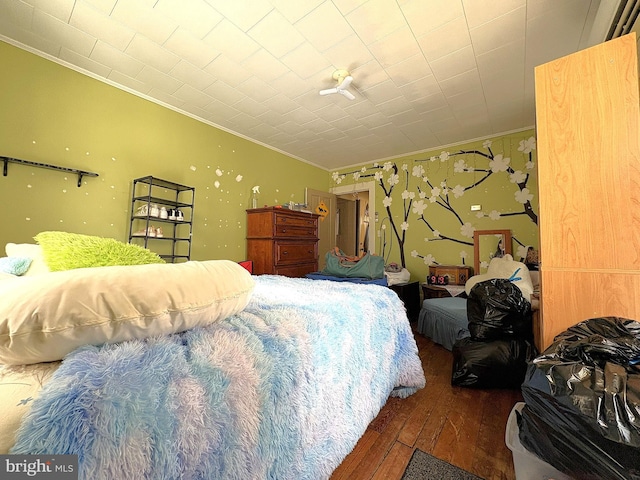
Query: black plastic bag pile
(501,342)
(582,395)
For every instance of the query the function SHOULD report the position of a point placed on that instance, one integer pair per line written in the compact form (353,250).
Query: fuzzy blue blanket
(283,390)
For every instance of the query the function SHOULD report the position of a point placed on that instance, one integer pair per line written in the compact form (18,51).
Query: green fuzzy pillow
(66,251)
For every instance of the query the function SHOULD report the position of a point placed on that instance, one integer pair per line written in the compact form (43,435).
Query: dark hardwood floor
(463,426)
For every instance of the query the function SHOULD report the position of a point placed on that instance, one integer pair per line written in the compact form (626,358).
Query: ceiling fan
(344,80)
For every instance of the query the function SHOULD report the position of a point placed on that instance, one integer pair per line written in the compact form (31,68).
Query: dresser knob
(285,253)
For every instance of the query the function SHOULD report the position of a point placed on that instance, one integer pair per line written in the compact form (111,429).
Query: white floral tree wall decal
(443,195)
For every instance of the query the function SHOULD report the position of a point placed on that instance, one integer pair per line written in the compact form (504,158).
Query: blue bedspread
(282,390)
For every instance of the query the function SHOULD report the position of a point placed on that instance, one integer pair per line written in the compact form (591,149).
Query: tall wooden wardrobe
(588,117)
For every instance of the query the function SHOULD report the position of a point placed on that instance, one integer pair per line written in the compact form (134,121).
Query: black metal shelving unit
(175,243)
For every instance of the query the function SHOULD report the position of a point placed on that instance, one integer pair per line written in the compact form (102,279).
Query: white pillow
(31,250)
(45,317)
(505,267)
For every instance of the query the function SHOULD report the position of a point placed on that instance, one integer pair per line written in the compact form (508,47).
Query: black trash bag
(583,393)
(575,450)
(496,309)
(592,369)
(497,364)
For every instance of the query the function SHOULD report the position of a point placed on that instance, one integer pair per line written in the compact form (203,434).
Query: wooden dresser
(282,241)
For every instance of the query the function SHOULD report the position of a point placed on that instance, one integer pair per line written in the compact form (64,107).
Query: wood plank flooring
(462,426)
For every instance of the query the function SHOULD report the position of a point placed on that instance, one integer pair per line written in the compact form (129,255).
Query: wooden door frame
(363,187)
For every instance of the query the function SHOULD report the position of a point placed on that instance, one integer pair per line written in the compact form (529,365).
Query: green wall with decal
(424,201)
(52,114)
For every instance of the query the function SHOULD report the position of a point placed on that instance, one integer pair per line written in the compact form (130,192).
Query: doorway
(364,222)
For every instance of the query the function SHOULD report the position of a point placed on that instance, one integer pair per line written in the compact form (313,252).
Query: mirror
(488,244)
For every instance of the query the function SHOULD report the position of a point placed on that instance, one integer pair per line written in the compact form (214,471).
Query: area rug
(423,466)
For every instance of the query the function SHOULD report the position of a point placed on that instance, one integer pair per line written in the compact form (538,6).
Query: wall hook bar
(80,173)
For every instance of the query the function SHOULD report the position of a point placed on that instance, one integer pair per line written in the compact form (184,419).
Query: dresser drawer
(285,219)
(295,252)
(294,231)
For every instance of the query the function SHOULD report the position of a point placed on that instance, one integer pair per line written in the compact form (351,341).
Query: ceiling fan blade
(328,91)
(346,82)
(347,94)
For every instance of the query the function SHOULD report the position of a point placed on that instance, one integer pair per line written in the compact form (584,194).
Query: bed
(444,320)
(212,374)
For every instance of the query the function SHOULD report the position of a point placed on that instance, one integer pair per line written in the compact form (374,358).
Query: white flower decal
(467,230)
(480,215)
(387,166)
(387,201)
(463,255)
(356,176)
(458,191)
(394,179)
(435,191)
(460,166)
(405,167)
(523,196)
(526,146)
(414,253)
(239,178)
(444,156)
(407,194)
(499,163)
(522,251)
(417,171)
(487,144)
(404,226)
(419,207)
(429,260)
(529,165)
(436,233)
(494,215)
(378,175)
(517,177)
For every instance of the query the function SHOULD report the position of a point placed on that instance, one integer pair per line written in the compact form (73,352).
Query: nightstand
(409,293)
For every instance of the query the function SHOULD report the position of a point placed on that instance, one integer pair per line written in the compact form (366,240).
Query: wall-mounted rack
(80,173)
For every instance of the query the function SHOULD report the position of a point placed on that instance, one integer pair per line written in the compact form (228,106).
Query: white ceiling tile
(305,61)
(348,6)
(187,73)
(409,70)
(499,31)
(395,107)
(133,84)
(445,40)
(83,62)
(276,34)
(395,47)
(281,103)
(196,16)
(60,9)
(424,17)
(228,71)
(16,15)
(116,60)
(152,54)
(141,17)
(27,37)
(348,54)
(432,103)
(89,19)
(258,89)
(466,81)
(453,64)
(231,41)
(421,88)
(507,56)
(479,12)
(190,48)
(221,110)
(265,66)
(250,107)
(105,6)
(375,19)
(244,13)
(314,27)
(224,93)
(291,85)
(156,79)
(294,11)
(368,75)
(192,96)
(63,33)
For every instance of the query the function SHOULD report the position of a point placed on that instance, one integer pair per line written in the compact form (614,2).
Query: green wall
(424,200)
(51,114)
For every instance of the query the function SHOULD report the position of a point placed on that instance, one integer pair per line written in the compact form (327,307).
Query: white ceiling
(427,73)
